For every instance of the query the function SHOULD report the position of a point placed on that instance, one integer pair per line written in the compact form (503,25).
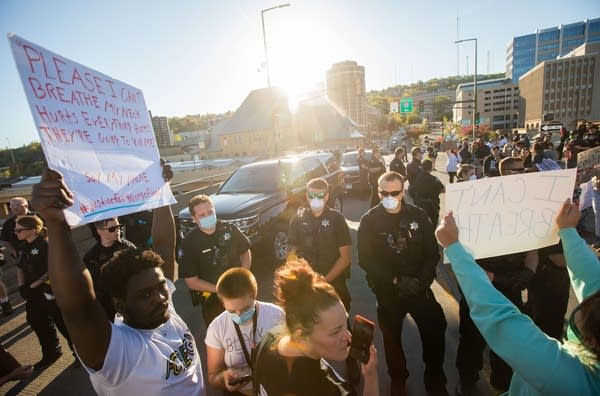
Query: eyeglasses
(113,228)
(18,230)
(516,170)
(495,148)
(390,193)
(315,195)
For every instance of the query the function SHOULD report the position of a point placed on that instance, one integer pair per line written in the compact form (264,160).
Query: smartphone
(362,338)
(240,380)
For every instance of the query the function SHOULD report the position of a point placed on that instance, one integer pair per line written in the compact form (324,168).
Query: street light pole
(474,83)
(11,152)
(262,18)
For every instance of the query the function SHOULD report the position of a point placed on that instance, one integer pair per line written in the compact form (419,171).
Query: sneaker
(6,309)
(47,361)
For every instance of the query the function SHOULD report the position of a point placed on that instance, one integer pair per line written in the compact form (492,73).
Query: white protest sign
(96,131)
(509,214)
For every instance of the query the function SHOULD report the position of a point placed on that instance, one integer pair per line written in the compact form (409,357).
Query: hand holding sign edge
(447,231)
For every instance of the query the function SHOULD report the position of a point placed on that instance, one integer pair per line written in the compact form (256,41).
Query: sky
(201,56)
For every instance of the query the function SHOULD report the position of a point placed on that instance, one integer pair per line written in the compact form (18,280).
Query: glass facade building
(525,52)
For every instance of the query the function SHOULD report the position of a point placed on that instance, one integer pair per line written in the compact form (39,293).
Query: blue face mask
(208,222)
(244,317)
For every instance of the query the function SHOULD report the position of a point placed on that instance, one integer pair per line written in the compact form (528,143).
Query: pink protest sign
(96,131)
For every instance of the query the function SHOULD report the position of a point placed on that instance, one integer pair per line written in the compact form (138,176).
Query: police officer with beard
(321,236)
(398,251)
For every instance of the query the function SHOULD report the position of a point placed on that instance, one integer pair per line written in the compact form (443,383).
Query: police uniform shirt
(398,166)
(374,175)
(318,239)
(208,256)
(391,245)
(98,255)
(412,171)
(362,162)
(428,186)
(32,259)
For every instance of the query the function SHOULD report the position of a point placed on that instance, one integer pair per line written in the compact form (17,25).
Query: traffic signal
(477,118)
(421,106)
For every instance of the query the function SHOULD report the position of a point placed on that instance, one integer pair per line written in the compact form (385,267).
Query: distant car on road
(260,198)
(349,165)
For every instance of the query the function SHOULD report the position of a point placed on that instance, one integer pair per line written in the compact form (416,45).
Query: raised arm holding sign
(96,131)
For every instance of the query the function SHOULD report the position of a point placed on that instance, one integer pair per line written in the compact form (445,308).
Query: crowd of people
(114,306)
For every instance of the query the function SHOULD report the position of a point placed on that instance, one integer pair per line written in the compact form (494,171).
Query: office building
(525,52)
(346,89)
(564,88)
(162,132)
(497,103)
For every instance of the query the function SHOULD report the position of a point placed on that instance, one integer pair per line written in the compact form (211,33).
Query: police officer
(413,169)
(398,251)
(109,242)
(321,236)
(396,164)
(207,251)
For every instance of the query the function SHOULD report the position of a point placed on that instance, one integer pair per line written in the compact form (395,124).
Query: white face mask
(390,203)
(473,177)
(316,204)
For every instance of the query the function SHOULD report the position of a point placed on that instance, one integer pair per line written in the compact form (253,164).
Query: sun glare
(300,52)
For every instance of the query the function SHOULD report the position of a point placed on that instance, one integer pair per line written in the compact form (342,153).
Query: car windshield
(252,179)
(350,159)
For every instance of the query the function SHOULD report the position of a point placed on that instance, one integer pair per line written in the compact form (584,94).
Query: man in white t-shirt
(149,350)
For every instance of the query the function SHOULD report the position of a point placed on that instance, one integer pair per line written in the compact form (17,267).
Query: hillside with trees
(440,106)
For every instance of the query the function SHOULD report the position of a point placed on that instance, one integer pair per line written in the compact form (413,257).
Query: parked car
(349,166)
(260,198)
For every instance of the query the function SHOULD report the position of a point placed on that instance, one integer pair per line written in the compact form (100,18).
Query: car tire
(277,243)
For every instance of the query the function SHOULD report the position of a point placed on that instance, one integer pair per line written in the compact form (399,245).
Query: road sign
(393,107)
(406,105)
(551,127)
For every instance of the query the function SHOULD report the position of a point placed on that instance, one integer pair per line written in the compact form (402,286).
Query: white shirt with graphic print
(161,361)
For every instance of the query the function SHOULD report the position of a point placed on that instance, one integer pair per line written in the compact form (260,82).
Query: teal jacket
(542,365)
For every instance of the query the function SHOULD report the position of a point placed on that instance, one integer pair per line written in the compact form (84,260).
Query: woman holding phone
(291,359)
(231,336)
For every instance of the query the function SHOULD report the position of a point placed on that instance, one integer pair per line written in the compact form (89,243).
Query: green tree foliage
(29,160)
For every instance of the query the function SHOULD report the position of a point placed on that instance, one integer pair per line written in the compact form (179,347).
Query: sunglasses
(113,228)
(18,230)
(390,193)
(516,169)
(315,195)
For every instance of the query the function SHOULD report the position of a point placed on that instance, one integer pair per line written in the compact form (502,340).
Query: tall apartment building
(525,52)
(497,103)
(162,132)
(564,87)
(346,89)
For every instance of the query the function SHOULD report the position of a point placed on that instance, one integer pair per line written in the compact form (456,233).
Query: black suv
(260,198)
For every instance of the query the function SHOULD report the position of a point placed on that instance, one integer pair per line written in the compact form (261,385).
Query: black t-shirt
(208,256)
(307,377)
(32,259)
(318,240)
(390,245)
